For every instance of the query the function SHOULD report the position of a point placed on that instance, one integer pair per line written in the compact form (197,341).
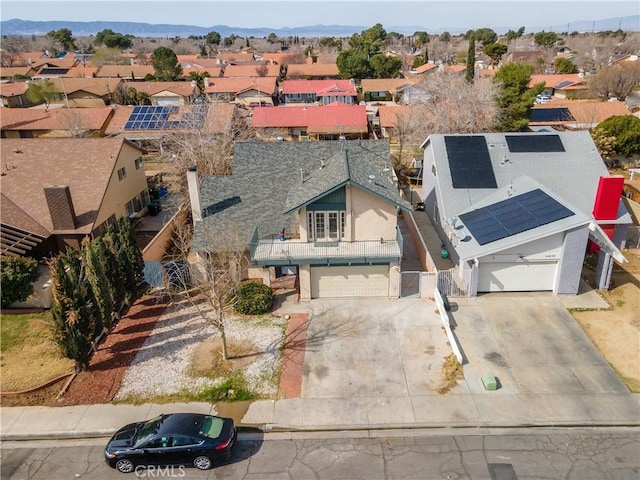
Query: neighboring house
(387,120)
(167,93)
(323,211)
(575,115)
(22,59)
(321,91)
(212,72)
(385,89)
(54,122)
(517,211)
(135,73)
(53,67)
(312,71)
(530,57)
(16,73)
(242,90)
(425,68)
(631,190)
(55,192)
(255,70)
(84,92)
(565,86)
(14,95)
(228,58)
(313,122)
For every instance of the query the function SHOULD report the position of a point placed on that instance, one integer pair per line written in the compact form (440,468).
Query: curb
(260,432)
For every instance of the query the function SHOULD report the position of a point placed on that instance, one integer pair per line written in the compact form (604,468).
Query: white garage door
(355,281)
(517,277)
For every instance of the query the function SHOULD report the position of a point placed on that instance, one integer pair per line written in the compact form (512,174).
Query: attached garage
(517,277)
(350,281)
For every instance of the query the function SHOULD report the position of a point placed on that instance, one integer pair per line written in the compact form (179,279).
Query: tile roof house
(242,90)
(126,72)
(312,71)
(562,85)
(518,211)
(385,89)
(167,93)
(323,211)
(13,94)
(55,192)
(85,92)
(153,122)
(54,122)
(321,91)
(255,70)
(575,114)
(327,122)
(16,73)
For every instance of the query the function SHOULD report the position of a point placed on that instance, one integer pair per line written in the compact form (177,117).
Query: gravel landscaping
(164,365)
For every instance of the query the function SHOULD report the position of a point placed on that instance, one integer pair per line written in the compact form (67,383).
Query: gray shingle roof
(266,187)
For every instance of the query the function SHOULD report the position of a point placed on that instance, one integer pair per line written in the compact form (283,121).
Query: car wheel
(202,463)
(124,465)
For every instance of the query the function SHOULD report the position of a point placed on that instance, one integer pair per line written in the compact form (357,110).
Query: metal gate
(450,283)
(410,284)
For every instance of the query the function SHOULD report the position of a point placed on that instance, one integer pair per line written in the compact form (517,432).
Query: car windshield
(149,429)
(211,427)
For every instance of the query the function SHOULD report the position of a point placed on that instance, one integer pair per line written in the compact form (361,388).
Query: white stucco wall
(371,218)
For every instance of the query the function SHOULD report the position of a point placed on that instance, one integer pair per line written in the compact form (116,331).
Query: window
(183,441)
(122,173)
(138,163)
(129,207)
(326,225)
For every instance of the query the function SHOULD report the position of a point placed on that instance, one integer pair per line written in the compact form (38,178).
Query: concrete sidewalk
(489,410)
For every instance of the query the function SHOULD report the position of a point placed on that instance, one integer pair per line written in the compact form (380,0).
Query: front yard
(29,355)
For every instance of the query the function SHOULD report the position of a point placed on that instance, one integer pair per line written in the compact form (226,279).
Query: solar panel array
(534,143)
(513,215)
(469,162)
(157,118)
(54,71)
(563,84)
(551,115)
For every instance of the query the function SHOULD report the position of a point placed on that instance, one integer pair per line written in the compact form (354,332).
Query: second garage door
(517,277)
(354,281)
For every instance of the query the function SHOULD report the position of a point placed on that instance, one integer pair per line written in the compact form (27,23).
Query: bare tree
(455,106)
(213,278)
(617,80)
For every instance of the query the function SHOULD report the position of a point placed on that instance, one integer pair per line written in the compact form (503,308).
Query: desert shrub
(254,299)
(17,275)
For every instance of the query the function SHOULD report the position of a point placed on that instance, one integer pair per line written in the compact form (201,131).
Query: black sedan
(173,439)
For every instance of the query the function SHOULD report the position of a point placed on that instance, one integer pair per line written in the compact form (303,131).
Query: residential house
(253,70)
(84,92)
(325,212)
(242,90)
(53,67)
(16,73)
(313,122)
(144,125)
(568,86)
(385,89)
(55,192)
(167,93)
(232,57)
(386,120)
(21,59)
(133,73)
(14,95)
(321,92)
(54,122)
(425,68)
(518,211)
(312,71)
(575,115)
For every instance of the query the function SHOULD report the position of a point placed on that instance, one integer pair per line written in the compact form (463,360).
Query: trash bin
(154,209)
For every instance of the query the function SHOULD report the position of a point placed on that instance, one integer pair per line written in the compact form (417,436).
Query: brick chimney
(63,216)
(194,193)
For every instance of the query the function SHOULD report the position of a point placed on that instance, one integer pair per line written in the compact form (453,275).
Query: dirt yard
(616,332)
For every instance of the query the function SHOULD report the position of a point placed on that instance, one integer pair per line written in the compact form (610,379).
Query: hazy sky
(433,15)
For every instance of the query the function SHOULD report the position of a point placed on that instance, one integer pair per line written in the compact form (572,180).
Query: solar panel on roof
(563,84)
(469,162)
(514,215)
(53,71)
(551,115)
(534,143)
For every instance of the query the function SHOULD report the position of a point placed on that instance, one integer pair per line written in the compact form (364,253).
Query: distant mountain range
(80,29)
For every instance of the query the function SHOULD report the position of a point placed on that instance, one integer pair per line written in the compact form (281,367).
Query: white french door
(328,226)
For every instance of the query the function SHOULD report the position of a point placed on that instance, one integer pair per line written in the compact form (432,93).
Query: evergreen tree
(165,64)
(98,279)
(514,98)
(72,309)
(471,58)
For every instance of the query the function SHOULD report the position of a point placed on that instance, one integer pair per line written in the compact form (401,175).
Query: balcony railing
(273,251)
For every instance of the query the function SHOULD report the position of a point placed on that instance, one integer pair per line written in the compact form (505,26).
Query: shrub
(624,130)
(254,299)
(17,275)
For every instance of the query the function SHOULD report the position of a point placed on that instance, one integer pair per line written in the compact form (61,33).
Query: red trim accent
(608,198)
